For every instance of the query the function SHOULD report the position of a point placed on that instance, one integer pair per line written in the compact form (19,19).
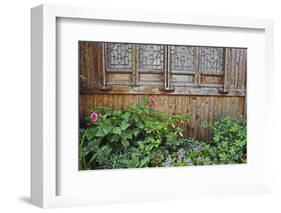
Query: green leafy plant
(229,136)
(228,145)
(139,134)
(140,137)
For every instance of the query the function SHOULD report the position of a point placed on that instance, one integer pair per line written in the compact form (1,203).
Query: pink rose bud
(94,116)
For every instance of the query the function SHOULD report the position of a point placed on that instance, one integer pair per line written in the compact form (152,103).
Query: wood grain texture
(195,93)
(90,60)
(206,80)
(202,109)
(237,68)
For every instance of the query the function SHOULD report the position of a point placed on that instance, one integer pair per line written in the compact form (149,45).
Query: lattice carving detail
(151,57)
(212,59)
(119,56)
(182,58)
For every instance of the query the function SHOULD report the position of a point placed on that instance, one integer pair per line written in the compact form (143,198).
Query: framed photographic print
(130,106)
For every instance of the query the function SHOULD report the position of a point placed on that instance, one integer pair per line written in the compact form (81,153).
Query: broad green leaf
(144,161)
(127,115)
(114,138)
(106,130)
(99,132)
(125,143)
(117,131)
(127,135)
(135,159)
(140,125)
(95,142)
(135,132)
(140,143)
(90,133)
(124,125)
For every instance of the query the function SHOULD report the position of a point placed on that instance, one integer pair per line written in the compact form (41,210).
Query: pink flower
(94,116)
(152,102)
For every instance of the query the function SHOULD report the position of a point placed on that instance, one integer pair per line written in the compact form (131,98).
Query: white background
(134,184)
(15,104)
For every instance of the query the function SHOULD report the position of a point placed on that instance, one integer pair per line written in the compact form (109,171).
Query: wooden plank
(179,79)
(150,77)
(172,104)
(118,77)
(242,69)
(97,100)
(135,62)
(237,52)
(186,109)
(164,107)
(226,83)
(210,117)
(193,107)
(95,57)
(197,54)
(167,66)
(82,66)
(205,117)
(205,79)
(144,90)
(105,100)
(232,68)
(178,109)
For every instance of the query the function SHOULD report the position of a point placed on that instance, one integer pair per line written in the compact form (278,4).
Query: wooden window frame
(135,72)
(166,85)
(201,72)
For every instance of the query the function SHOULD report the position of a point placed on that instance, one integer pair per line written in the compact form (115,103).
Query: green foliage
(130,138)
(229,136)
(228,145)
(140,137)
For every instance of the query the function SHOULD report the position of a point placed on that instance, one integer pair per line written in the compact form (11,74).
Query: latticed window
(150,57)
(212,60)
(182,58)
(157,68)
(119,56)
(167,66)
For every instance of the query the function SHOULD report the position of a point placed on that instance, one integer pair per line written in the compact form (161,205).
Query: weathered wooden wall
(201,108)
(203,103)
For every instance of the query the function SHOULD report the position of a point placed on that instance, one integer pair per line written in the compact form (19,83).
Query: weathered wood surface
(233,79)
(236,68)
(90,60)
(123,88)
(201,108)
(196,93)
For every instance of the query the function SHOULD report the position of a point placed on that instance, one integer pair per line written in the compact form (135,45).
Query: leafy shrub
(135,137)
(140,137)
(229,137)
(228,145)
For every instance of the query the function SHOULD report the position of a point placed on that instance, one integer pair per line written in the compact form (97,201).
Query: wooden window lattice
(119,56)
(182,58)
(150,57)
(176,60)
(212,60)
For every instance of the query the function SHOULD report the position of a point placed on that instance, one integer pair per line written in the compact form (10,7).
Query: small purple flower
(181,155)
(197,148)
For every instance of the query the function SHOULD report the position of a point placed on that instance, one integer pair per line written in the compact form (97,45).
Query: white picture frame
(46,161)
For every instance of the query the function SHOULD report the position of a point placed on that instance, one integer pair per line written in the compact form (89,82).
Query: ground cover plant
(140,136)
